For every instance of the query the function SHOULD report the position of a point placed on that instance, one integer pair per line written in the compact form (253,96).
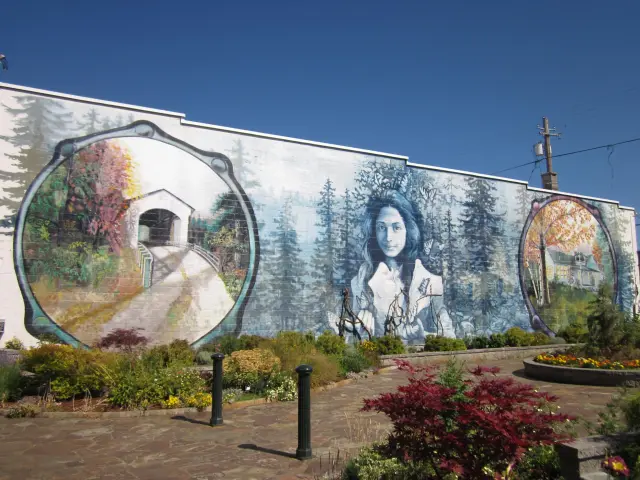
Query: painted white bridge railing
(205,254)
(144,259)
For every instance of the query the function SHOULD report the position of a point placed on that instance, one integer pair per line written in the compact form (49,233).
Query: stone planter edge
(579,376)
(503,353)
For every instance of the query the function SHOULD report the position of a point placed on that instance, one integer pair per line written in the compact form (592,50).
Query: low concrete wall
(477,355)
(8,356)
(581,458)
(580,376)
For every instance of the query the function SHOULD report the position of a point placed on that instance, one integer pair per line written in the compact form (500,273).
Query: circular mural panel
(566,255)
(132,229)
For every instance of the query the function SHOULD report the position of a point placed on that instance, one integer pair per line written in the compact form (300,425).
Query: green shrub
(539,338)
(622,415)
(136,388)
(14,344)
(433,343)
(204,358)
(226,344)
(289,347)
(354,361)
(49,337)
(249,369)
(230,395)
(481,341)
(10,383)
(22,411)
(244,381)
(69,371)
(539,463)
(516,337)
(371,465)
(139,385)
(249,342)
(575,333)
(331,343)
(557,341)
(497,340)
(389,345)
(177,353)
(295,348)
(281,387)
(605,321)
(325,369)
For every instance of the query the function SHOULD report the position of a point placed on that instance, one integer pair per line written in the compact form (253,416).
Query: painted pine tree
(324,270)
(257,316)
(523,203)
(481,225)
(38,125)
(349,250)
(451,265)
(626,260)
(89,123)
(242,167)
(285,271)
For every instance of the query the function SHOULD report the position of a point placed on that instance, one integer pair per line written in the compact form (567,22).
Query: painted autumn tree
(100,179)
(562,225)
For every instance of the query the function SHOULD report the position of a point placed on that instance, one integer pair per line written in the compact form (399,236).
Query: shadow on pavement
(520,374)
(190,420)
(251,446)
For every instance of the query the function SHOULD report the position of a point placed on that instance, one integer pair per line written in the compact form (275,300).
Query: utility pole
(549,178)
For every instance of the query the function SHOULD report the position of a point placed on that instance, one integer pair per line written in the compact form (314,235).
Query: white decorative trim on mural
(190,123)
(294,140)
(94,101)
(464,172)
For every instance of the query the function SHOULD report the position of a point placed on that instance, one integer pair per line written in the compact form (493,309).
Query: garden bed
(580,375)
(99,408)
(473,355)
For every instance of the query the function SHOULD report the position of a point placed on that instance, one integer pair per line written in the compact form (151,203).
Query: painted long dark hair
(372,253)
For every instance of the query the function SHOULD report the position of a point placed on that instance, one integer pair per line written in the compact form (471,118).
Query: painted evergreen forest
(443,250)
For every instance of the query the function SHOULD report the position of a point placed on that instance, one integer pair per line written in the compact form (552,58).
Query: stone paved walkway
(255,442)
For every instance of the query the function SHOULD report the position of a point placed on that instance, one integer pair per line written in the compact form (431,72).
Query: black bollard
(216,390)
(304,412)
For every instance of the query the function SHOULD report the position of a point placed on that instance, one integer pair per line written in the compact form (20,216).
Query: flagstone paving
(256,442)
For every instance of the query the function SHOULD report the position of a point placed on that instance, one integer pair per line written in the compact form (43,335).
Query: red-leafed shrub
(124,339)
(470,427)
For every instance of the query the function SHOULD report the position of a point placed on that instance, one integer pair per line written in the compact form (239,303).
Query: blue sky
(454,84)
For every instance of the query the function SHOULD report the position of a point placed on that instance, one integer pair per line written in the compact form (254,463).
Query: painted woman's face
(391,232)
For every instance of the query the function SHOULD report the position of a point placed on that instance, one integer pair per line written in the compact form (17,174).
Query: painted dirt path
(254,443)
(186,300)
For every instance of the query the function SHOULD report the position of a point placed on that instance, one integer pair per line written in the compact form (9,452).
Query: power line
(609,145)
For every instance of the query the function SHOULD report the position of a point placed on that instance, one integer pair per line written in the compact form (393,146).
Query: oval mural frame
(38,322)
(538,323)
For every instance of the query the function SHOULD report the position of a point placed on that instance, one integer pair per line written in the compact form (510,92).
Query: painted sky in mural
(424,251)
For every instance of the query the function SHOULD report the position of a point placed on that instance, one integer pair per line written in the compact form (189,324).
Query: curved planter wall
(579,376)
(474,355)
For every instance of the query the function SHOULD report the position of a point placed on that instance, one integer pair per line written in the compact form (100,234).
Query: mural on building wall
(116,235)
(198,232)
(567,255)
